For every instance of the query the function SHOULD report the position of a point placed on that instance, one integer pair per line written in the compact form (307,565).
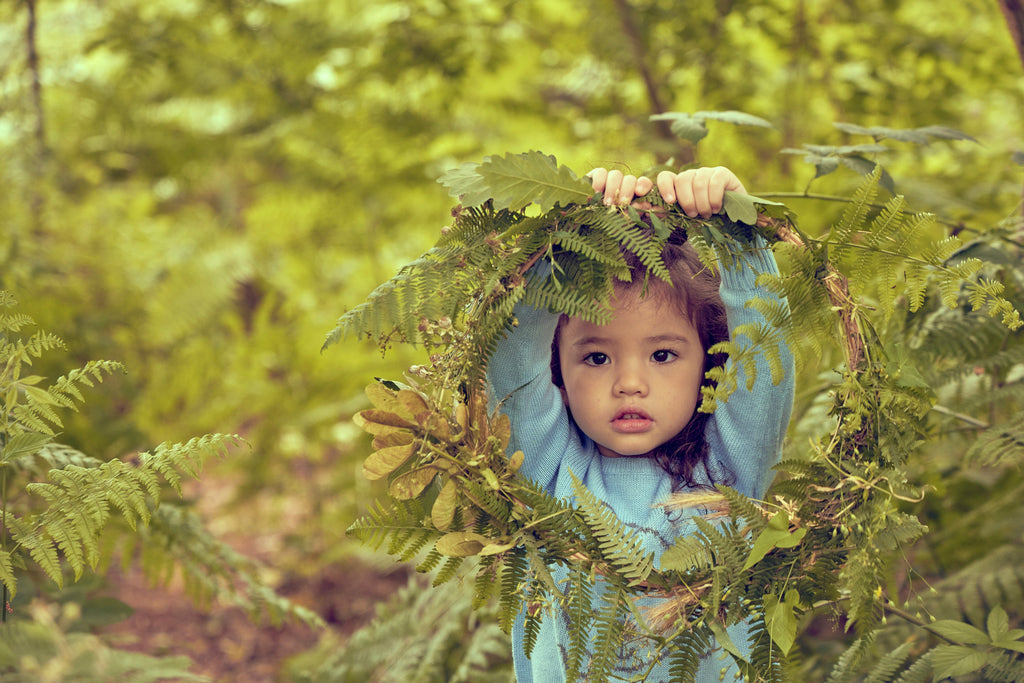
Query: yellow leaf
(436,425)
(411,484)
(501,429)
(461,544)
(516,461)
(399,437)
(380,421)
(381,397)
(412,402)
(386,460)
(462,417)
(492,480)
(495,548)
(444,506)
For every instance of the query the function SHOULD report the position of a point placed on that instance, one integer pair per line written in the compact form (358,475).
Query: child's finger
(703,201)
(721,179)
(598,178)
(667,186)
(611,188)
(686,192)
(627,190)
(643,186)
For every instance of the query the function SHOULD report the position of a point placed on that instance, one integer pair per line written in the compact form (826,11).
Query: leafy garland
(454,492)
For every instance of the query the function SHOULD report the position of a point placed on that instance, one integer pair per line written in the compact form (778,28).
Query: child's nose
(630,383)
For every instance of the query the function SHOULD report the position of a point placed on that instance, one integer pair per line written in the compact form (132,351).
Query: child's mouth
(631,421)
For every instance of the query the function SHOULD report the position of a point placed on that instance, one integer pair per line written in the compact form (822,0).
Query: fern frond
(686,554)
(188,457)
(513,577)
(998,446)
(624,231)
(7,577)
(608,628)
(485,583)
(918,672)
(580,597)
(849,662)
(688,650)
(890,665)
(622,547)
(859,579)
(448,570)
(533,617)
(855,214)
(971,593)
(177,539)
(388,519)
(37,462)
(1003,667)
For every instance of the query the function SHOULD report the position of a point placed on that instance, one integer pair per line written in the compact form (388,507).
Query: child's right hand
(699,192)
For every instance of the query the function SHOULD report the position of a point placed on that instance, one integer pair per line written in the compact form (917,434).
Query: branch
(636,45)
(1013,10)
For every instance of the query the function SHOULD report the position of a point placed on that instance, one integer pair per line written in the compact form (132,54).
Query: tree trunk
(33,66)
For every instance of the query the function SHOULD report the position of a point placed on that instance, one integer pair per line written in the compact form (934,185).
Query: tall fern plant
(63,512)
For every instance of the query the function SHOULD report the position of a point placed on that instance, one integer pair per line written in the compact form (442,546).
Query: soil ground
(224,644)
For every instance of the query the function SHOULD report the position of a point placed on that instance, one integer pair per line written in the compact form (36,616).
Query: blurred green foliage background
(200,188)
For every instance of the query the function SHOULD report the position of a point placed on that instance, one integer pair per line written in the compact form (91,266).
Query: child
(616,405)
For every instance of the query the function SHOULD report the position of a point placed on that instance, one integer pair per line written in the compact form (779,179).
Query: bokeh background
(199,188)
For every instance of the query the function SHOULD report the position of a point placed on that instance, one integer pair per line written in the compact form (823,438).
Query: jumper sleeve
(746,433)
(519,375)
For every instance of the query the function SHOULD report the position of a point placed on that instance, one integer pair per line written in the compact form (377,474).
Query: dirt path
(224,643)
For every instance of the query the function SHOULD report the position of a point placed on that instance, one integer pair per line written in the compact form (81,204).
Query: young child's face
(634,383)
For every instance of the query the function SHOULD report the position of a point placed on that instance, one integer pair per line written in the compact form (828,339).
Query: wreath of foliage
(834,514)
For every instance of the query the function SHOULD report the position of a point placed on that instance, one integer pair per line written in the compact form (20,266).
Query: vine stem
(892,609)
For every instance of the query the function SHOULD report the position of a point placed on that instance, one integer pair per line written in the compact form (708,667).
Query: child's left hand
(699,192)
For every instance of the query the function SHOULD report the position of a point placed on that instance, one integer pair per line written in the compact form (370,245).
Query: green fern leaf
(918,672)
(891,664)
(512,579)
(855,214)
(7,577)
(580,598)
(608,628)
(689,649)
(44,552)
(848,663)
(517,180)
(623,548)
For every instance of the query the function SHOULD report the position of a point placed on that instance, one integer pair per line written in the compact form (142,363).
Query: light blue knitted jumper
(744,436)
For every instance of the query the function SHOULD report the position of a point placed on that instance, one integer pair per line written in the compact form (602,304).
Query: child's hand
(699,192)
(618,188)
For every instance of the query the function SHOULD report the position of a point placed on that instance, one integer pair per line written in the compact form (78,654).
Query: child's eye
(663,356)
(596,358)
